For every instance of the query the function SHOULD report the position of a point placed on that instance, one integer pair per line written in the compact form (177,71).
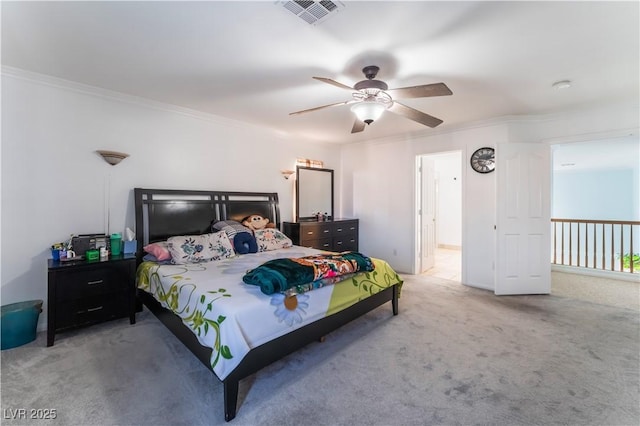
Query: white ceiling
(253,61)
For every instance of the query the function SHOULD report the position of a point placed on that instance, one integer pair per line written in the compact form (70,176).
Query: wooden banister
(612,244)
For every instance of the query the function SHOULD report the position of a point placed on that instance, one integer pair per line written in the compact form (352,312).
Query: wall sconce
(305,162)
(112,157)
(287,173)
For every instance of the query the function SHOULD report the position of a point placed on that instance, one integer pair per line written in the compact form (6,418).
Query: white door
(523,264)
(427,214)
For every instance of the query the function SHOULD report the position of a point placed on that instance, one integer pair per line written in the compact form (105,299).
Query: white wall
(604,185)
(594,194)
(54,184)
(379,176)
(378,181)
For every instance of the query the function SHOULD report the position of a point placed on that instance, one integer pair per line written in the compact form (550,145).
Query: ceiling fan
(372,97)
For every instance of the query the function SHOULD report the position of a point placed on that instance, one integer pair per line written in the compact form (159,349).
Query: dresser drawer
(315,231)
(319,243)
(81,283)
(347,243)
(91,309)
(341,229)
(336,235)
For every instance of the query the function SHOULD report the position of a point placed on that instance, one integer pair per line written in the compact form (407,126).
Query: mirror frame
(315,169)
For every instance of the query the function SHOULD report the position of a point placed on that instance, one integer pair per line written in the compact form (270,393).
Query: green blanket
(279,275)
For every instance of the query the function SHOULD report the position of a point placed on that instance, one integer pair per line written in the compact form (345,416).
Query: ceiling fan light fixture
(371,97)
(368,111)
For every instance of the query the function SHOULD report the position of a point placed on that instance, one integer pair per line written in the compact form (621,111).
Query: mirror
(314,192)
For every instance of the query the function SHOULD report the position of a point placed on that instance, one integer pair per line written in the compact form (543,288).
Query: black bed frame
(161,213)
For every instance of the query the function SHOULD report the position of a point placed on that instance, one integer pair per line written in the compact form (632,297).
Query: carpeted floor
(605,291)
(454,355)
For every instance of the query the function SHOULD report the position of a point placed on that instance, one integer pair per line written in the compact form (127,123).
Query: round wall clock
(483,160)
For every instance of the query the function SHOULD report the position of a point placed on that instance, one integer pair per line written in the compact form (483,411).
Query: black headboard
(162,213)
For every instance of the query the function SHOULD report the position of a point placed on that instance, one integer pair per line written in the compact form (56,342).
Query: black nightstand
(86,292)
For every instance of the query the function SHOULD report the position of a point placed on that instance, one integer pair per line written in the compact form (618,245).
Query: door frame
(417,205)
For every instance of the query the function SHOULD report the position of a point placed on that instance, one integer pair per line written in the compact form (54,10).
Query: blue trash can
(19,323)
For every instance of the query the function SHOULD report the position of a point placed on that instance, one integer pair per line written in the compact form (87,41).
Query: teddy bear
(242,237)
(255,222)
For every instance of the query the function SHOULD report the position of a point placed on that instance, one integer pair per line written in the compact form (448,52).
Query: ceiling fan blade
(350,101)
(424,91)
(358,126)
(414,114)
(334,83)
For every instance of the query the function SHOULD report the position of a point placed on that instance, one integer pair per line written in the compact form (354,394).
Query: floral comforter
(232,317)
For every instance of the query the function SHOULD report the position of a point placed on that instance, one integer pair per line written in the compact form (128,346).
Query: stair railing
(611,245)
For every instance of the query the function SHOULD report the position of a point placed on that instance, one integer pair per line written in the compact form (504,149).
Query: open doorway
(595,181)
(439,215)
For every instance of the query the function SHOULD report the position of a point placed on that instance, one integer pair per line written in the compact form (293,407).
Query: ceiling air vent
(312,12)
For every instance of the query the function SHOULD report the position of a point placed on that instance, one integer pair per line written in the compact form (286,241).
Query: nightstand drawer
(91,309)
(84,292)
(89,282)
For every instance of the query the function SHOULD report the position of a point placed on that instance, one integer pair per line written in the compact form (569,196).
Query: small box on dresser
(335,235)
(86,292)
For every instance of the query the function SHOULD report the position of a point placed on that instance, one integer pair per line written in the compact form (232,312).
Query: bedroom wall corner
(54,184)
(378,181)
(381,176)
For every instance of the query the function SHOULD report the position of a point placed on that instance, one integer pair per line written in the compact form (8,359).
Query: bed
(233,328)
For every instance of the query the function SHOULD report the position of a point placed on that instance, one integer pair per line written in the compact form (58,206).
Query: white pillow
(200,248)
(271,239)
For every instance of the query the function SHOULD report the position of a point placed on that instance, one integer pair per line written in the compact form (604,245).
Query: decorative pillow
(231,227)
(159,250)
(221,246)
(240,236)
(200,248)
(151,258)
(271,239)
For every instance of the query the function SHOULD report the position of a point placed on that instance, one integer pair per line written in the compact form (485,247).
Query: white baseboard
(613,275)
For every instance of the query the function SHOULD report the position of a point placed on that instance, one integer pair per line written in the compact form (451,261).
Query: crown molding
(112,95)
(511,120)
(115,96)
(428,133)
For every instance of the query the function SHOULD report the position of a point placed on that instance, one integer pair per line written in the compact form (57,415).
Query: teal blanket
(279,275)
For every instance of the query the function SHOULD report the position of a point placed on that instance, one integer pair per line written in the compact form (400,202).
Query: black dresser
(335,235)
(86,292)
